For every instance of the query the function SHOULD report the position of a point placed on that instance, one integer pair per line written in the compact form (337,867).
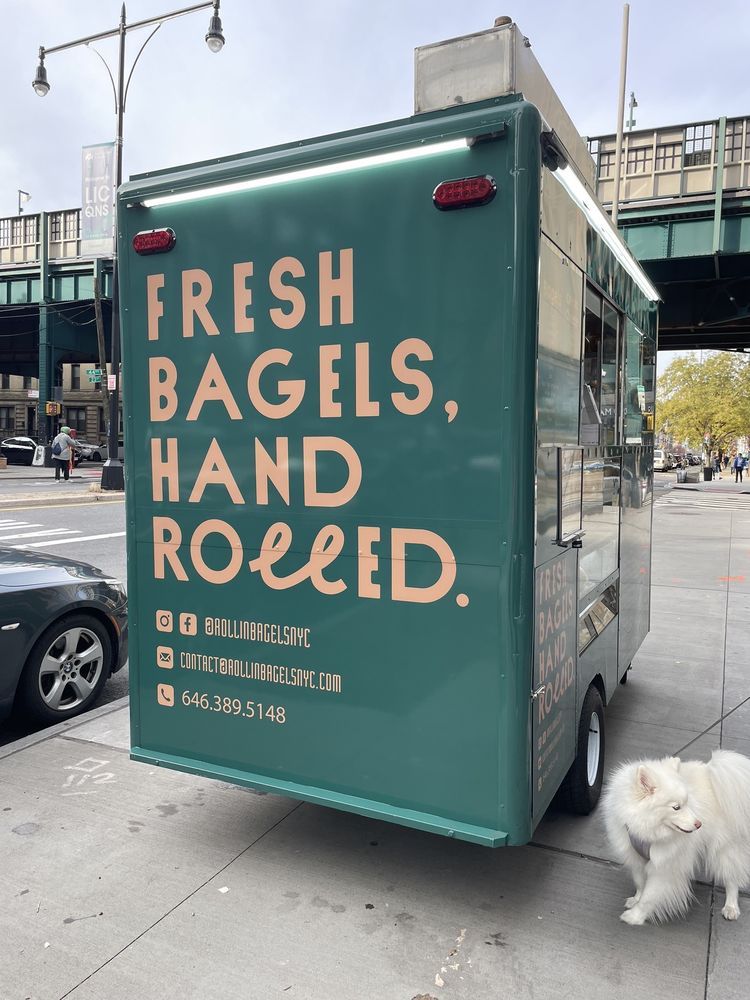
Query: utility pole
(112,471)
(621,110)
(104,385)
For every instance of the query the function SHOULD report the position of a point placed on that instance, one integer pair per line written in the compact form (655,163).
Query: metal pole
(621,109)
(112,472)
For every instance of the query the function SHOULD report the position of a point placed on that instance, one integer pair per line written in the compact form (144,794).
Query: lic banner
(98,212)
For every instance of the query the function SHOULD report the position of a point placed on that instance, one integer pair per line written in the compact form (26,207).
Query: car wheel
(96,457)
(583,782)
(67,669)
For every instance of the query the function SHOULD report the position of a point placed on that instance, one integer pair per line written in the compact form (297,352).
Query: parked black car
(63,631)
(18,450)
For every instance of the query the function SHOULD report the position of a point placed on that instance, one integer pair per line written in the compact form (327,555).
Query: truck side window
(591,387)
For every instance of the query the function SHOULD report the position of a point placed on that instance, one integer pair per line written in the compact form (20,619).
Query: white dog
(666,817)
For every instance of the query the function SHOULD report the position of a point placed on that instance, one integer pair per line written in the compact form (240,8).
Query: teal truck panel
(330,463)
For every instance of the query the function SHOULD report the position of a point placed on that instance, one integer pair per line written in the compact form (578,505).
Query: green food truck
(389,409)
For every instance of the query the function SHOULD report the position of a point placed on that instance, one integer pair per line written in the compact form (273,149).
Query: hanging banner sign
(98,212)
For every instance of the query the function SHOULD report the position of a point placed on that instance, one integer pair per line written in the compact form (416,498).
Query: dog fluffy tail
(730,783)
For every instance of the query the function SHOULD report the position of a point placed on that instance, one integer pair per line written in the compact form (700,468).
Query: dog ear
(646,781)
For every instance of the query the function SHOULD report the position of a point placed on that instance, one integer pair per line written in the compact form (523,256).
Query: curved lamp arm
(140,50)
(106,66)
(130,74)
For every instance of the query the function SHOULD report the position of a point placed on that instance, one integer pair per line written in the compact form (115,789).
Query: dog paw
(633,917)
(730,912)
(631,901)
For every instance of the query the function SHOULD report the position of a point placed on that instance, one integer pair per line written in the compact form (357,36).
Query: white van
(661,461)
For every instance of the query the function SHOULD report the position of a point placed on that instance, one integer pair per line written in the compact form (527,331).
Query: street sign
(97,372)
(111,381)
(32,393)
(95,377)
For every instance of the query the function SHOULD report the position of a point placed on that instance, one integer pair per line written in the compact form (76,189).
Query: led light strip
(595,215)
(325,170)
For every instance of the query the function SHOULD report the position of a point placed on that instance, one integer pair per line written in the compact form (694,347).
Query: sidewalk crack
(181,902)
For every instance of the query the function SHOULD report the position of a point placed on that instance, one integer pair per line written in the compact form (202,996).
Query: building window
(30,227)
(75,376)
(668,156)
(4,232)
(4,381)
(55,227)
(17,232)
(75,417)
(698,144)
(71,225)
(27,382)
(733,142)
(639,159)
(606,165)
(7,420)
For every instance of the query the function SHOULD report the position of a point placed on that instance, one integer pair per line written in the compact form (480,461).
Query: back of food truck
(328,370)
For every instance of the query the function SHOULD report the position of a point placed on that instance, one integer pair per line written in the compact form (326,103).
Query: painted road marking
(38,534)
(738,502)
(66,541)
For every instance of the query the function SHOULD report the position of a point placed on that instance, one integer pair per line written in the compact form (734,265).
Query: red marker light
(464,193)
(154,241)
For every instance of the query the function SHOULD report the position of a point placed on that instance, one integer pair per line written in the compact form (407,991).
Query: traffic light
(53,409)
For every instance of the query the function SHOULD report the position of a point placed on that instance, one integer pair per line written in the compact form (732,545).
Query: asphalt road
(93,532)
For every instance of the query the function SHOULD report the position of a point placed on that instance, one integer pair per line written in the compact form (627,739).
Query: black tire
(583,782)
(83,671)
(96,457)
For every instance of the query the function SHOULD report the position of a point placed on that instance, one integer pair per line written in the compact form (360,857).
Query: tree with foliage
(706,401)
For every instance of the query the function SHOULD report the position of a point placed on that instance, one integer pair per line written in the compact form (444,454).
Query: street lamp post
(112,472)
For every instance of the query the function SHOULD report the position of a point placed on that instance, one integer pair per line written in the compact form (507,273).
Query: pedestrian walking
(62,449)
(717,466)
(738,464)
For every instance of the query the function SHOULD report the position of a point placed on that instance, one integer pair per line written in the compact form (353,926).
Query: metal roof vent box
(494,63)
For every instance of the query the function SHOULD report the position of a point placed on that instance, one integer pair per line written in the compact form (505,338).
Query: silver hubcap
(70,669)
(593,749)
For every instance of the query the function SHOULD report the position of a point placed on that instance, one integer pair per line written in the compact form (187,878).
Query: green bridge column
(46,350)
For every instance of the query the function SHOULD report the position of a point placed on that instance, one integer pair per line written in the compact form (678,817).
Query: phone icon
(164,621)
(165,695)
(165,657)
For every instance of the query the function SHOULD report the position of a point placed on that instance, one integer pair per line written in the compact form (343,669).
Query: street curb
(62,727)
(48,501)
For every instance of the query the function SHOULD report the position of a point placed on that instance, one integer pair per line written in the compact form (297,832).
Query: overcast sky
(292,69)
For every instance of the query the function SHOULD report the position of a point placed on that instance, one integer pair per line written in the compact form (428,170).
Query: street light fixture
(112,472)
(40,85)
(215,38)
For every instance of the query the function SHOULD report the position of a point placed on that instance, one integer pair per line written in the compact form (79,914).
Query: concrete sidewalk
(120,880)
(21,485)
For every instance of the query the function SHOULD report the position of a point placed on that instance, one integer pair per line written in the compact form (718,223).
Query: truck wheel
(583,782)
(67,669)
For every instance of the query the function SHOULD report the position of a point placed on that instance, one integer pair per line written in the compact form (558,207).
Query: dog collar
(640,846)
